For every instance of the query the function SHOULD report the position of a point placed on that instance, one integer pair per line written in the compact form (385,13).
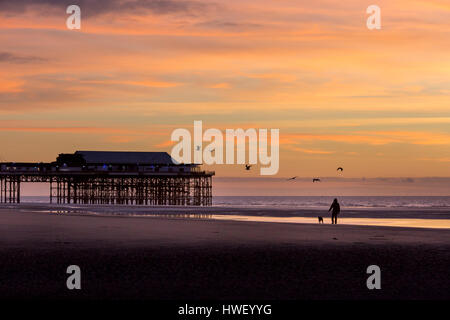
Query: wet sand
(347,212)
(165,259)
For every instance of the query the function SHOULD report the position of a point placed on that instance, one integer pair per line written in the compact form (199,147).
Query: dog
(320,219)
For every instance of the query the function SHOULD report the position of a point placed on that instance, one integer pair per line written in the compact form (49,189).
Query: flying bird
(316,180)
(247,167)
(293,178)
(340,169)
(198,148)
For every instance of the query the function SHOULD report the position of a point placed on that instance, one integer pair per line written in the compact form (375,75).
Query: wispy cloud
(164,144)
(436,159)
(138,83)
(85,130)
(372,137)
(16,58)
(99,7)
(310,151)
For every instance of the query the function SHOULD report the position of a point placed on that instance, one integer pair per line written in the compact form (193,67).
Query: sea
(302,202)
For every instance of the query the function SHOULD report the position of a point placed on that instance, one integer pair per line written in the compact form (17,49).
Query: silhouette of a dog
(320,219)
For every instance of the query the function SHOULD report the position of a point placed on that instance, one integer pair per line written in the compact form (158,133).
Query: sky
(376,102)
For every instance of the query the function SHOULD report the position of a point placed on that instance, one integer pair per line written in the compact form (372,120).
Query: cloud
(144,83)
(47,90)
(14,58)
(413,137)
(61,130)
(167,143)
(310,151)
(436,159)
(222,85)
(114,132)
(372,137)
(90,8)
(122,139)
(8,86)
(229,25)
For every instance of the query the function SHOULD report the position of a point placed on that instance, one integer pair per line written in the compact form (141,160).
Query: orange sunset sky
(375,102)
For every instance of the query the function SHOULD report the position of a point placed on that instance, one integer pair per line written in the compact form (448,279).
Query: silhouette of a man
(336,209)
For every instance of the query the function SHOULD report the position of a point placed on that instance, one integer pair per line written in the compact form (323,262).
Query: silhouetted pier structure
(103,177)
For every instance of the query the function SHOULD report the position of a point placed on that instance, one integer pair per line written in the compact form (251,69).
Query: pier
(106,177)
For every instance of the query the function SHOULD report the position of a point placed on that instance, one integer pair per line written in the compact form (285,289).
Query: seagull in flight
(316,180)
(247,167)
(293,178)
(340,169)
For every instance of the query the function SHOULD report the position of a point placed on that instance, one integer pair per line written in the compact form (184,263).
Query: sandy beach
(142,258)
